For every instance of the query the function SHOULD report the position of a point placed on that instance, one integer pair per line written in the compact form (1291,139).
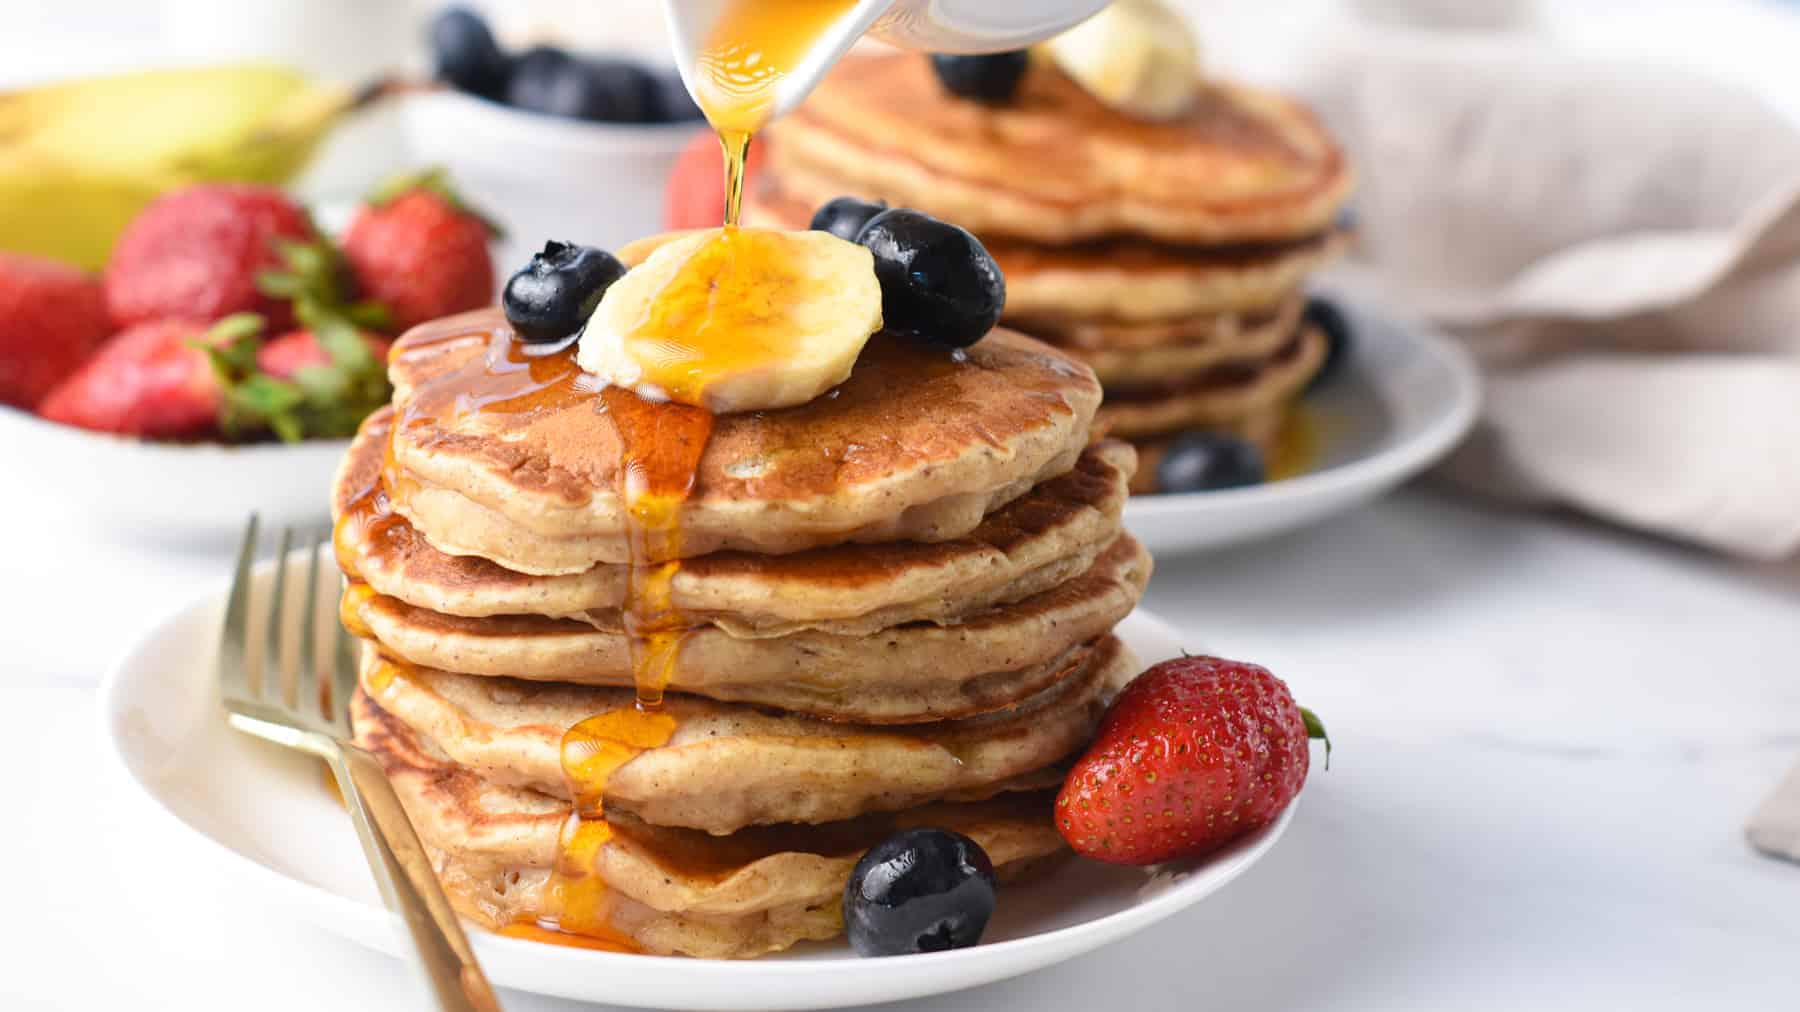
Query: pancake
(1099,334)
(671,891)
(515,459)
(728,766)
(1217,403)
(1045,537)
(905,674)
(1125,279)
(1124,370)
(1056,165)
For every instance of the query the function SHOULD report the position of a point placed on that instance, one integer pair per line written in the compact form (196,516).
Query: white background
(1548,733)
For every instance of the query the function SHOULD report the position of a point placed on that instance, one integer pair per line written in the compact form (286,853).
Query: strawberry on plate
(196,254)
(52,317)
(694,196)
(150,380)
(417,249)
(1195,753)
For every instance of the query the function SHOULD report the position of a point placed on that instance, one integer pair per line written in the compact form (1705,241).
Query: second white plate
(276,828)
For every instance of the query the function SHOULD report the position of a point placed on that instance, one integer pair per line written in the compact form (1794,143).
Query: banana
(79,160)
(736,319)
(1136,55)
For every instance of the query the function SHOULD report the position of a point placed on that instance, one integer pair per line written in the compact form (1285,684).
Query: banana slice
(1135,55)
(736,319)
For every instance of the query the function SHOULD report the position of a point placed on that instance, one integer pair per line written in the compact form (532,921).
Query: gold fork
(300,710)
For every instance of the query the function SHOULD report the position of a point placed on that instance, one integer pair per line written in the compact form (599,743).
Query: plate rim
(1391,464)
(374,926)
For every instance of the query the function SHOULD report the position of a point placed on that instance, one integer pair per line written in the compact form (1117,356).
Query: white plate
(176,492)
(280,833)
(1403,399)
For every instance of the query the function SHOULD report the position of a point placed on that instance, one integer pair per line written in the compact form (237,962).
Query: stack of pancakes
(1167,255)
(900,600)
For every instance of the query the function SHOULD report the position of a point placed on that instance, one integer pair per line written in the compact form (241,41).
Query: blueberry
(920,890)
(1331,321)
(548,80)
(673,103)
(555,294)
(465,53)
(938,283)
(844,217)
(1207,462)
(993,77)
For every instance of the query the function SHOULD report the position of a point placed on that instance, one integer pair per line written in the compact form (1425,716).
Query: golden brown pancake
(728,766)
(918,444)
(1119,279)
(1217,402)
(1124,337)
(1045,537)
(1123,371)
(672,891)
(905,674)
(1056,165)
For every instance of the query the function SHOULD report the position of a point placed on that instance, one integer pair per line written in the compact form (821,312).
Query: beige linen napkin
(1620,247)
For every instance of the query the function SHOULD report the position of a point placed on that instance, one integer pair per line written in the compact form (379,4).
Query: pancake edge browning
(729,765)
(493,846)
(1037,541)
(1105,183)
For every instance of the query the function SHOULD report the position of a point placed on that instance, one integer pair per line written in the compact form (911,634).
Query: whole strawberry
(195,254)
(417,249)
(1193,754)
(52,317)
(151,380)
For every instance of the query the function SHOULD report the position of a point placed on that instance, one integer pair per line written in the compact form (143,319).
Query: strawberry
(318,382)
(417,249)
(196,253)
(149,380)
(694,196)
(52,317)
(1195,753)
(283,356)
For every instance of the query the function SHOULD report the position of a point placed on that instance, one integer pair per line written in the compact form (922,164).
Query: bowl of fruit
(220,361)
(571,144)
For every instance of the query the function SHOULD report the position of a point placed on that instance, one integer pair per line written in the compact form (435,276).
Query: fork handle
(403,871)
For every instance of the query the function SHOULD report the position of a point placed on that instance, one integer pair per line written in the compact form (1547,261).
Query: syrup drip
(753,46)
(1296,449)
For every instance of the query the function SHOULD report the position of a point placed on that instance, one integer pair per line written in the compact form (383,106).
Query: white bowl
(178,492)
(545,177)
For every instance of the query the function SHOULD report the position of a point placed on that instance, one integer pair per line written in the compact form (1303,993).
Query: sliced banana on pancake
(737,319)
(1135,55)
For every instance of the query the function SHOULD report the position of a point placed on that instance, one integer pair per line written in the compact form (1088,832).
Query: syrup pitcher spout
(939,26)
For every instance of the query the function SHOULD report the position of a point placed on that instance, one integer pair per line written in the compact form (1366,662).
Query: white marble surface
(1548,735)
